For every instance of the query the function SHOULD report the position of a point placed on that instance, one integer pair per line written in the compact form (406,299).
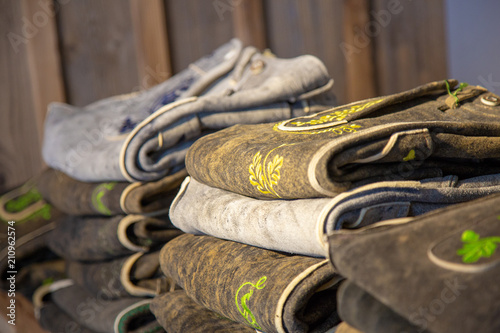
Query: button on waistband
(490,100)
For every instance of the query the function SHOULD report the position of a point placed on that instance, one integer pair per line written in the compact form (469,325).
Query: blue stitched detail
(127,125)
(171,96)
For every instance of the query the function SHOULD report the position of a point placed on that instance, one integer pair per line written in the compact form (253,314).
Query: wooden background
(79,51)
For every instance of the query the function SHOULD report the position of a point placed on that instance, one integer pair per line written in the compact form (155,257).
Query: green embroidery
(44,212)
(265,178)
(242,303)
(97,195)
(410,156)
(48,281)
(20,203)
(454,94)
(26,200)
(475,248)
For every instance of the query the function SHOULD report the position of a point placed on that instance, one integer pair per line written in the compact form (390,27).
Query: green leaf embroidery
(242,305)
(475,248)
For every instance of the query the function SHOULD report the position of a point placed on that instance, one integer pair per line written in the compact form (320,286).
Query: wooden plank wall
(79,51)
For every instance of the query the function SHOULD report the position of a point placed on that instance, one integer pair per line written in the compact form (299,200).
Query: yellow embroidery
(339,130)
(337,115)
(264,178)
(410,156)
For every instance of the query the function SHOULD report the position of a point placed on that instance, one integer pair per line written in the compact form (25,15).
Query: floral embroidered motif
(263,176)
(475,248)
(241,303)
(127,125)
(337,115)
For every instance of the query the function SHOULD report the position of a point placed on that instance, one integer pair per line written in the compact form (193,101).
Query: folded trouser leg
(232,216)
(53,319)
(108,198)
(30,277)
(100,126)
(99,313)
(409,135)
(50,316)
(115,140)
(136,275)
(88,238)
(228,215)
(438,270)
(266,290)
(178,313)
(363,311)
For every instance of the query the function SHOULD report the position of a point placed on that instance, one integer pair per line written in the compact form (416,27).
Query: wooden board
(196,27)
(97,45)
(411,50)
(357,48)
(297,27)
(151,42)
(249,23)
(43,60)
(20,156)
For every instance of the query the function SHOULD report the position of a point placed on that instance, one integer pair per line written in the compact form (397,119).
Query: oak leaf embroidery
(475,248)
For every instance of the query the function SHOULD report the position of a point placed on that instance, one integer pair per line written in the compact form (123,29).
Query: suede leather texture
(144,275)
(32,276)
(53,319)
(128,139)
(178,313)
(98,313)
(438,271)
(364,312)
(266,290)
(87,238)
(411,135)
(108,198)
(298,226)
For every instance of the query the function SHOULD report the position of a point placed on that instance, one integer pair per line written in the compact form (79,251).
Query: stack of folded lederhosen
(117,164)
(282,208)
(268,201)
(110,253)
